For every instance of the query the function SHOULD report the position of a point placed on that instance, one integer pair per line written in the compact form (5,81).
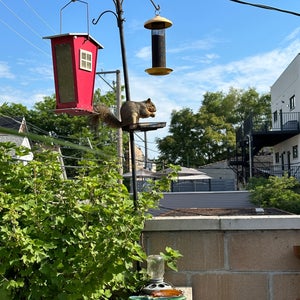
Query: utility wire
(143,146)
(41,18)
(21,20)
(37,129)
(267,7)
(25,39)
(27,25)
(63,145)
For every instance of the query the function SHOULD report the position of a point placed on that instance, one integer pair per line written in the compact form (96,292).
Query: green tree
(251,104)
(43,116)
(104,136)
(182,145)
(209,135)
(42,119)
(215,117)
(278,192)
(14,110)
(69,239)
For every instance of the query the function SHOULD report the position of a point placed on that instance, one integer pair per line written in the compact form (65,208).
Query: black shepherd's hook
(95,21)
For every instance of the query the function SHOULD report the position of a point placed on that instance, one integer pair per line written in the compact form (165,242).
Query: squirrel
(131,112)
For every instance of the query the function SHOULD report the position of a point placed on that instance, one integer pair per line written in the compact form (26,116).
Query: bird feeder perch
(157,25)
(74,63)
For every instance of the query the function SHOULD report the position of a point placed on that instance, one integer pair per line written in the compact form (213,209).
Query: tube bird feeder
(157,25)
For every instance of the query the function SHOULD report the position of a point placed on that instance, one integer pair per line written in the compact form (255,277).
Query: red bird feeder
(74,62)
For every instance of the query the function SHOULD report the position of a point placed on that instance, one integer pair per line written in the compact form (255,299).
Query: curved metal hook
(94,21)
(157,7)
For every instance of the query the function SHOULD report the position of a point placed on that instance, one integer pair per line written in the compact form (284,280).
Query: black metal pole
(119,11)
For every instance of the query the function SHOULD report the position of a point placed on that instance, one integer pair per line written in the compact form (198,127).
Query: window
(275,116)
(65,73)
(277,157)
(292,102)
(85,60)
(295,151)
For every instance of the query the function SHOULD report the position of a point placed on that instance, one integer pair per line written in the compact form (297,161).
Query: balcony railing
(277,170)
(282,121)
(286,121)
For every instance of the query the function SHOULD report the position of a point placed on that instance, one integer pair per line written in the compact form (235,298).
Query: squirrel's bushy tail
(103,113)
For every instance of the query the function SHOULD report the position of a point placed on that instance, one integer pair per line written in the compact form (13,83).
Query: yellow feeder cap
(158,22)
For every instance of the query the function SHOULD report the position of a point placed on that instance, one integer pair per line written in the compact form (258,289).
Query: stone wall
(231,258)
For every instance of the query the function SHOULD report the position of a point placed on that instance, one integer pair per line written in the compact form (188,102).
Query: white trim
(86,60)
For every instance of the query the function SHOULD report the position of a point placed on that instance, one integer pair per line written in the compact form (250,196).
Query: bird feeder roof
(89,37)
(158,22)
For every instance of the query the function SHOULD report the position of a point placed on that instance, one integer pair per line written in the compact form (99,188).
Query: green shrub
(278,192)
(68,239)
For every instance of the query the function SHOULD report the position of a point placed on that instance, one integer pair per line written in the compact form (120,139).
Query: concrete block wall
(231,258)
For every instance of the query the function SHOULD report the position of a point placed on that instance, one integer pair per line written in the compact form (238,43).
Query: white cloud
(204,44)
(185,89)
(200,59)
(5,71)
(144,53)
(259,71)
(293,35)
(194,46)
(19,94)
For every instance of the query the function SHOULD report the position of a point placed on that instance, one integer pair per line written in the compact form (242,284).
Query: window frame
(275,116)
(295,151)
(292,103)
(277,157)
(86,60)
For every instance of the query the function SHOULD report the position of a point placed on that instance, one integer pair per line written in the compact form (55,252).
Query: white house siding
(286,87)
(19,141)
(283,149)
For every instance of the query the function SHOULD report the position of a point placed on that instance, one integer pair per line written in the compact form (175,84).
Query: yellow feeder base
(159,71)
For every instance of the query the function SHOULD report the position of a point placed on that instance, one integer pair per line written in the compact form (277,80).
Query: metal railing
(277,170)
(281,121)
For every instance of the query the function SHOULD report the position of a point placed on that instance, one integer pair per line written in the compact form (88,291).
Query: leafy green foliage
(171,256)
(278,192)
(182,127)
(14,109)
(208,136)
(68,239)
(42,119)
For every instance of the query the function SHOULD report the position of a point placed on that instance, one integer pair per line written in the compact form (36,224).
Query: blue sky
(213,45)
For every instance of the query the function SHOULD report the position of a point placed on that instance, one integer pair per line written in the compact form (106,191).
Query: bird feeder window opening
(65,91)
(157,25)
